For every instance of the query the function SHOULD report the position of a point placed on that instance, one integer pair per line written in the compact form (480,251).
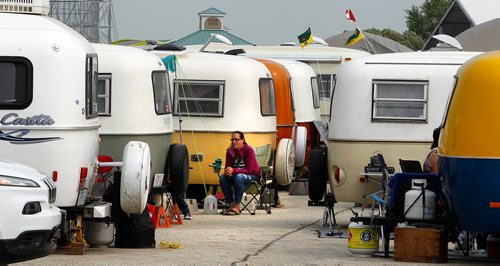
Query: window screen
(198,98)
(400,100)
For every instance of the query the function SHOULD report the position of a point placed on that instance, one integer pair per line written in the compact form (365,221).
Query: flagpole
(350,17)
(366,38)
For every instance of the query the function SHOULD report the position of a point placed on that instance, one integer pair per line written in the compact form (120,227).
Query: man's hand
(228,171)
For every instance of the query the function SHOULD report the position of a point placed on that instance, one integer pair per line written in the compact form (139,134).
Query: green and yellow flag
(305,38)
(355,37)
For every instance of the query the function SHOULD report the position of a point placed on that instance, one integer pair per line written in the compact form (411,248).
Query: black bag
(135,231)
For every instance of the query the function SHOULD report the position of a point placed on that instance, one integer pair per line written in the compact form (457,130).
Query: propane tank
(420,203)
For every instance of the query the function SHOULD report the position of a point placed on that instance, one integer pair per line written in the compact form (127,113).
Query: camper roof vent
(39,7)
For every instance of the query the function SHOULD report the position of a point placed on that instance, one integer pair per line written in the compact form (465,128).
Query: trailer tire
(317,174)
(177,168)
(135,177)
(285,162)
(300,146)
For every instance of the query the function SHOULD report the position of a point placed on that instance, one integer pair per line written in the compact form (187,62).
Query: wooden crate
(420,245)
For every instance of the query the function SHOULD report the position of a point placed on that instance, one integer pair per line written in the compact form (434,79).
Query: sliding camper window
(199,97)
(161,91)
(16,82)
(326,83)
(315,92)
(91,86)
(104,94)
(267,97)
(404,101)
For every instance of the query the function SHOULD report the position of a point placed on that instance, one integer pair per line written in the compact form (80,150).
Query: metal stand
(329,227)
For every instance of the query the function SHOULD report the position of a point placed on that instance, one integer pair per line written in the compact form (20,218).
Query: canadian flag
(350,16)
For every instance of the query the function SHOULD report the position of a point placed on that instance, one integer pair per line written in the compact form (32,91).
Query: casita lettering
(36,120)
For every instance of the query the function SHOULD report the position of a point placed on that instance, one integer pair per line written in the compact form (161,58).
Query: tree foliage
(424,19)
(421,22)
(408,38)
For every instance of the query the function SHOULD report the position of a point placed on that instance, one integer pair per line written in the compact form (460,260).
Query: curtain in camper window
(16,82)
(161,91)
(400,100)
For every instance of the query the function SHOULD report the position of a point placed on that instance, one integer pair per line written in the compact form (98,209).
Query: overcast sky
(263,22)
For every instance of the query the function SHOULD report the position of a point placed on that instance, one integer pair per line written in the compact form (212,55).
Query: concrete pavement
(287,236)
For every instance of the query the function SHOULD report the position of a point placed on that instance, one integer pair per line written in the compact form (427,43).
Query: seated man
(240,169)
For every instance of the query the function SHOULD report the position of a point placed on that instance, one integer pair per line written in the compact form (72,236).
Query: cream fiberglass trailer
(48,114)
(219,94)
(388,103)
(134,102)
(325,61)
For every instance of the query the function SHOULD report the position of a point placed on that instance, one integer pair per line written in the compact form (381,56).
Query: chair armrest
(266,168)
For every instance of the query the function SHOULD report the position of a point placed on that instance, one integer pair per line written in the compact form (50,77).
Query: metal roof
(202,36)
(211,11)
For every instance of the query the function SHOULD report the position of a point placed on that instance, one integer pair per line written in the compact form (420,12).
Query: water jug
(210,205)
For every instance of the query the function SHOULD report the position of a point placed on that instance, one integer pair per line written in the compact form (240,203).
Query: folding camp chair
(258,190)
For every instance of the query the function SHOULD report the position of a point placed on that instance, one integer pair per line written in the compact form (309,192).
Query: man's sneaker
(187,217)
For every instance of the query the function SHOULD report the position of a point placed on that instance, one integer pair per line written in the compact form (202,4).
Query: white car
(28,217)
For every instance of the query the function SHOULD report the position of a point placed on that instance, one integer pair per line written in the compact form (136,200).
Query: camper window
(91,86)
(400,101)
(325,84)
(104,94)
(162,93)
(16,82)
(267,97)
(199,97)
(315,93)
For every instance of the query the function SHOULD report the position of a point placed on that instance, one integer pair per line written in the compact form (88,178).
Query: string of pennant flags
(307,37)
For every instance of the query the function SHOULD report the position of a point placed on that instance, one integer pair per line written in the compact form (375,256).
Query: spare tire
(300,146)
(318,173)
(177,168)
(135,177)
(285,162)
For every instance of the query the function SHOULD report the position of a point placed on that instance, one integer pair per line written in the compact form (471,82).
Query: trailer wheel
(177,168)
(317,179)
(300,145)
(135,177)
(285,162)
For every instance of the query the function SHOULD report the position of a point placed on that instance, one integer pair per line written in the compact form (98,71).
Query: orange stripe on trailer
(495,205)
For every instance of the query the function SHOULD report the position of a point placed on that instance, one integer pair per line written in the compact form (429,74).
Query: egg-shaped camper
(469,147)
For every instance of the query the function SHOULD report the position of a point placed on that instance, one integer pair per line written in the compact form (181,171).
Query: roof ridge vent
(37,7)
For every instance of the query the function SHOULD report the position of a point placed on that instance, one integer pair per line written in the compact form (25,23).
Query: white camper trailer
(134,103)
(325,61)
(387,103)
(47,107)
(216,95)
(48,112)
